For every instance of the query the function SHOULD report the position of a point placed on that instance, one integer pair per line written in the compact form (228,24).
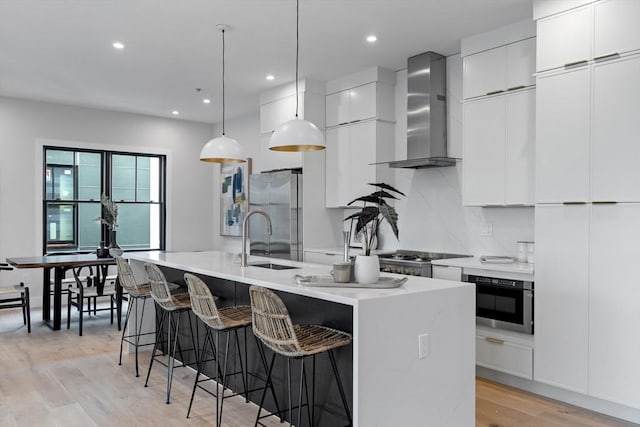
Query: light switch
(423,346)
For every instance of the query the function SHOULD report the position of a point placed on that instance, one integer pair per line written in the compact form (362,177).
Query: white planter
(367,269)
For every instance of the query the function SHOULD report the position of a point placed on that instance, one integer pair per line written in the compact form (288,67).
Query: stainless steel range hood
(426,113)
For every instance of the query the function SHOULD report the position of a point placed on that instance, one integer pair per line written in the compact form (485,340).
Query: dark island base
(304,310)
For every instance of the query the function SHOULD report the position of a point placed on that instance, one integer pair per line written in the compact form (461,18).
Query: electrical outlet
(423,346)
(486,229)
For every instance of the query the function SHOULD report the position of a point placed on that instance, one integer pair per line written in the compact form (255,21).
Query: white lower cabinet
(446,272)
(614,303)
(504,352)
(561,310)
(324,258)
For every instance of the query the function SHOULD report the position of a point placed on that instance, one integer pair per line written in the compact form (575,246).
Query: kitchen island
(412,360)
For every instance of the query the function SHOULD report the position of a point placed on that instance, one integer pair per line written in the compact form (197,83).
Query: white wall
(432,217)
(26,125)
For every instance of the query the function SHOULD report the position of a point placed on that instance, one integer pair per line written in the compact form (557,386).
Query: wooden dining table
(60,265)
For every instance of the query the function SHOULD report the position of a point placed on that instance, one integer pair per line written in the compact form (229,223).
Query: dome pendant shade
(222,150)
(297,135)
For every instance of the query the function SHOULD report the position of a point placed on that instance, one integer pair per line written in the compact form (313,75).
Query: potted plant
(110,219)
(374,212)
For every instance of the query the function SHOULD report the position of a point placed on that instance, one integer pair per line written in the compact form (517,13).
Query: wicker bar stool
(136,292)
(172,306)
(220,320)
(273,326)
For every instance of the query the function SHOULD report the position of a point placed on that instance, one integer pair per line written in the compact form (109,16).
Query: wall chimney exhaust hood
(426,113)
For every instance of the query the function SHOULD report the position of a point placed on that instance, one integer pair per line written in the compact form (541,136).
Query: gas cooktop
(414,263)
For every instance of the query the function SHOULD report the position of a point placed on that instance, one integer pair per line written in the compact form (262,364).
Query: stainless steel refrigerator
(279,193)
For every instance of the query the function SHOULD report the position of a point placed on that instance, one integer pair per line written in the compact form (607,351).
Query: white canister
(531,258)
(367,269)
(522,251)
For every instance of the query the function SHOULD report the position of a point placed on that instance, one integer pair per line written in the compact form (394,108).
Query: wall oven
(503,303)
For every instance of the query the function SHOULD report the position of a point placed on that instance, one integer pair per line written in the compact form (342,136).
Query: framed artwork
(234,197)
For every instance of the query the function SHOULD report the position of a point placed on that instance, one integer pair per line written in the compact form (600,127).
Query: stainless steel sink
(273,266)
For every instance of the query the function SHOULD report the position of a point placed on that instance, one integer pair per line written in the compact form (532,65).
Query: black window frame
(106,187)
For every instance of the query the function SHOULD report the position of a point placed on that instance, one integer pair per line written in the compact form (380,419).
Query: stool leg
(343,396)
(200,364)
(80,303)
(224,379)
(171,356)
(124,330)
(68,310)
(242,367)
(138,326)
(268,383)
(264,391)
(155,346)
(300,390)
(290,411)
(26,295)
(313,391)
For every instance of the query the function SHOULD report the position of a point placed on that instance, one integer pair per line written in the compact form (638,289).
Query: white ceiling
(60,50)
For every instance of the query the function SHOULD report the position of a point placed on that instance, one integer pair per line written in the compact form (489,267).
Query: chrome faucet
(245,231)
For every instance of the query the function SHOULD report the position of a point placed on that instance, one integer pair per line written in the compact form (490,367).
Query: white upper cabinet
(484,73)
(599,31)
(562,137)
(615,151)
(484,151)
(359,103)
(351,150)
(616,28)
(564,39)
(499,69)
(275,113)
(521,64)
(520,148)
(561,310)
(499,141)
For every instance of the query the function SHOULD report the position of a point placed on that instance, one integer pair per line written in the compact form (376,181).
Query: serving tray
(327,282)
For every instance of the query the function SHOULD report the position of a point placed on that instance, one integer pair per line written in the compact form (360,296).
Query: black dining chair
(90,287)
(16,296)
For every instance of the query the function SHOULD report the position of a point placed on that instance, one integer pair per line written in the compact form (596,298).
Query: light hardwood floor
(60,379)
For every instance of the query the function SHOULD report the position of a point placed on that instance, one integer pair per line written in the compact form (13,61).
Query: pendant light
(222,149)
(297,134)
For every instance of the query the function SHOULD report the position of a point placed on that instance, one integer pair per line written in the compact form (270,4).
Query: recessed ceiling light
(175,112)
(372,39)
(206,101)
(270,77)
(118,45)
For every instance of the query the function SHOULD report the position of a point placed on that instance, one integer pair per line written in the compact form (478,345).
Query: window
(73,183)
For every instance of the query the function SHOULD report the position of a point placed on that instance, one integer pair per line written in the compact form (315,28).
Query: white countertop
(339,251)
(226,265)
(474,263)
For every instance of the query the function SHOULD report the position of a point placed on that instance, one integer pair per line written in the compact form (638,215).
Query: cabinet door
(564,39)
(337,108)
(615,149)
(362,152)
(561,316)
(562,137)
(362,102)
(484,151)
(616,28)
(520,148)
(521,63)
(273,114)
(484,73)
(337,166)
(614,304)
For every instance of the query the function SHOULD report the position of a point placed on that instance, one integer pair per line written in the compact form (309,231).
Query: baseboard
(622,412)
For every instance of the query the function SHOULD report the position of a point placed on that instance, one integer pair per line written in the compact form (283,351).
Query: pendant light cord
(297,49)
(223,109)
